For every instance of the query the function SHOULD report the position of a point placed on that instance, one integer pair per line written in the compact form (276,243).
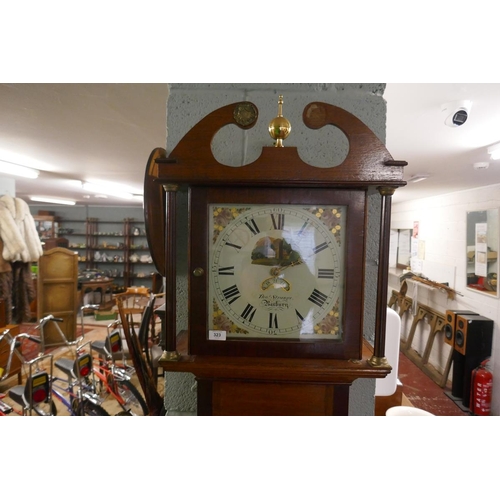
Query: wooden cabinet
(57,292)
(47,226)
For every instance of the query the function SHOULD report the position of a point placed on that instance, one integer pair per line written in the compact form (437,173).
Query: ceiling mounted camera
(457,112)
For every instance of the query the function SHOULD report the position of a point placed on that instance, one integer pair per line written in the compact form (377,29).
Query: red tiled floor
(424,393)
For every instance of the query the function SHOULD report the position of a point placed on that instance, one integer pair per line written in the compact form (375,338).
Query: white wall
(442,230)
(7,186)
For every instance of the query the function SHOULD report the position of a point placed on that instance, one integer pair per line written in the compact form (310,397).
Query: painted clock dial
(276,271)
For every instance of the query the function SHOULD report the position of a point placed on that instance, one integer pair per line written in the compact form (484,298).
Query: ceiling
(86,132)
(416,132)
(107,131)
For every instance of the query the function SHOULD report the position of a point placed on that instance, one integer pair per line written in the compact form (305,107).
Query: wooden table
(104,285)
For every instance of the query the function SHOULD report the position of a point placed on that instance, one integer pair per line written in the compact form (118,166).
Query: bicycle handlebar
(6,333)
(14,349)
(90,306)
(46,319)
(65,341)
(37,340)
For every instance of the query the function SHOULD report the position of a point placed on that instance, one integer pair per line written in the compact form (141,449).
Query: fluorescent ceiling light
(56,201)
(494,151)
(418,177)
(7,167)
(107,189)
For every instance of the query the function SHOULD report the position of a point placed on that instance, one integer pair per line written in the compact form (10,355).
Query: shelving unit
(116,248)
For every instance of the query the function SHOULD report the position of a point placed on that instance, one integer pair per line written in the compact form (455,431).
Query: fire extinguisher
(481,389)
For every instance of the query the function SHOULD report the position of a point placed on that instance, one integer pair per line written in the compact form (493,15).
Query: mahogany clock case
(259,372)
(349,346)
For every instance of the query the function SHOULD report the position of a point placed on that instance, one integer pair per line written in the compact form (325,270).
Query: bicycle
(77,392)
(115,375)
(103,377)
(36,394)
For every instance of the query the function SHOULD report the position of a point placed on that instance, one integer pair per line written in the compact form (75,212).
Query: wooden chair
(143,370)
(156,327)
(133,302)
(148,339)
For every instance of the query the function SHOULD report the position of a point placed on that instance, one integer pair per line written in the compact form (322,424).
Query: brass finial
(279,127)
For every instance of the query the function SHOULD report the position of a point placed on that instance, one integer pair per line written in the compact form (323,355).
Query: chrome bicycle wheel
(88,409)
(134,403)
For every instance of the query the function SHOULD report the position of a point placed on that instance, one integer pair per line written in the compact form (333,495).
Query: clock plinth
(276,293)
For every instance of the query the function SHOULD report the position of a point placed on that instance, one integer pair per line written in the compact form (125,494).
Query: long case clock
(276,252)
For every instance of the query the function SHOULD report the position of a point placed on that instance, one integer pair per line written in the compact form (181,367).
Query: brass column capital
(379,362)
(386,190)
(170,356)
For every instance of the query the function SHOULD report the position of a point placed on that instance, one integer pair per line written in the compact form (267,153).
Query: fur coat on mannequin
(18,231)
(20,246)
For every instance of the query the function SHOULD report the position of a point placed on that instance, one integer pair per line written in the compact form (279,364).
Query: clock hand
(276,270)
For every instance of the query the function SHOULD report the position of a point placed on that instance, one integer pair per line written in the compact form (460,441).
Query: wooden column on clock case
(378,358)
(245,384)
(170,349)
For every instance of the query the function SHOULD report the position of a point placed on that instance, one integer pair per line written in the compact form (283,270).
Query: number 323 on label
(216,335)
